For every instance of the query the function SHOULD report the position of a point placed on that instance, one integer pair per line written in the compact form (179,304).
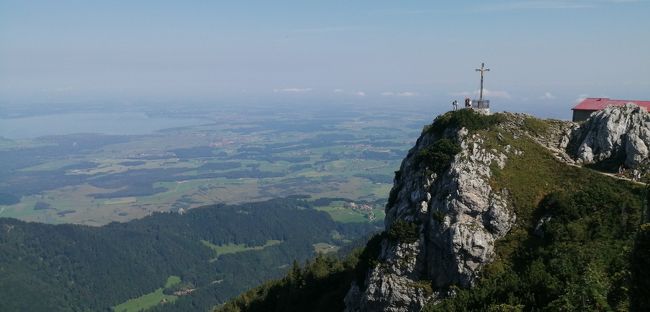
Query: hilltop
(505,212)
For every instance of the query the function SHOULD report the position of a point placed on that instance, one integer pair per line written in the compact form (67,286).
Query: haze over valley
(160,160)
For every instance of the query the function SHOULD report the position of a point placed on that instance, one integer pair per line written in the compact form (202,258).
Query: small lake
(105,123)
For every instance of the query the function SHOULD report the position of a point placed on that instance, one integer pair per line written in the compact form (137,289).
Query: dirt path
(616,176)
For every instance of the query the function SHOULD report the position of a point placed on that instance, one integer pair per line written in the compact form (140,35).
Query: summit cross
(482,70)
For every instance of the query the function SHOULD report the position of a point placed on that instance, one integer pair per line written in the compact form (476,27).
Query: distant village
(362,208)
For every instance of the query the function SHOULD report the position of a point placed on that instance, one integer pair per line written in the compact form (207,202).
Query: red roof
(596,104)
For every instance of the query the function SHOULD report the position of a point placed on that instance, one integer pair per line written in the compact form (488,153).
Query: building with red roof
(589,105)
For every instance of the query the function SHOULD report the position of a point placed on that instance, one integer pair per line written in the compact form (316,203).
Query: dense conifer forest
(72,267)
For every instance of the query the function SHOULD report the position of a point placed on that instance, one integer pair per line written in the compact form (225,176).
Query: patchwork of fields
(230,157)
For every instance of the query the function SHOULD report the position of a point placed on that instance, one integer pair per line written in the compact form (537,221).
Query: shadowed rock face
(613,133)
(458,216)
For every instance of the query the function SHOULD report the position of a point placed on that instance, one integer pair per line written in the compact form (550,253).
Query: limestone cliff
(456,217)
(615,134)
(443,216)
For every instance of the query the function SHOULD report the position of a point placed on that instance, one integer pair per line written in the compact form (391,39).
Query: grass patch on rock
(467,118)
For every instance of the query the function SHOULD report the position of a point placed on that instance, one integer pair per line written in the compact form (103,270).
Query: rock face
(615,133)
(458,218)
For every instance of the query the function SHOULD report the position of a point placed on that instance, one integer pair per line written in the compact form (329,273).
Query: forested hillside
(216,251)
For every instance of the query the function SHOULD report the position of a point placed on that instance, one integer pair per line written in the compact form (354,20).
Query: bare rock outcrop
(457,215)
(454,214)
(620,134)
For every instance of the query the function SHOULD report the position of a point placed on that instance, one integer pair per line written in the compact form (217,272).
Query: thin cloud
(547,96)
(354,93)
(404,94)
(495,94)
(581,98)
(292,90)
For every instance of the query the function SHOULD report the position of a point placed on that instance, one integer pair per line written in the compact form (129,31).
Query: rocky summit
(458,218)
(443,216)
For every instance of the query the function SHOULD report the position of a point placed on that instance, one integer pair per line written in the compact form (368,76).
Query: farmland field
(226,156)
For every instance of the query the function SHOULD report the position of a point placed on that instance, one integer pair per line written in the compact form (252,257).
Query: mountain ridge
(518,230)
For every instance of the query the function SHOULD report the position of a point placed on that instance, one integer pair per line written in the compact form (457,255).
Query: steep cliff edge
(443,196)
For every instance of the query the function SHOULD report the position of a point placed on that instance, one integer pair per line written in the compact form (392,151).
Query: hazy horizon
(544,55)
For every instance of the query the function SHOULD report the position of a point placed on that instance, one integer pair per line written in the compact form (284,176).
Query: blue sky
(543,54)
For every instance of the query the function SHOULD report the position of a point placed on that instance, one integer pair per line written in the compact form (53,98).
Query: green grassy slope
(578,260)
(149,300)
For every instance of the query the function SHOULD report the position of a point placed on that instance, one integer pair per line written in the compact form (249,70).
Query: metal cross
(482,70)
